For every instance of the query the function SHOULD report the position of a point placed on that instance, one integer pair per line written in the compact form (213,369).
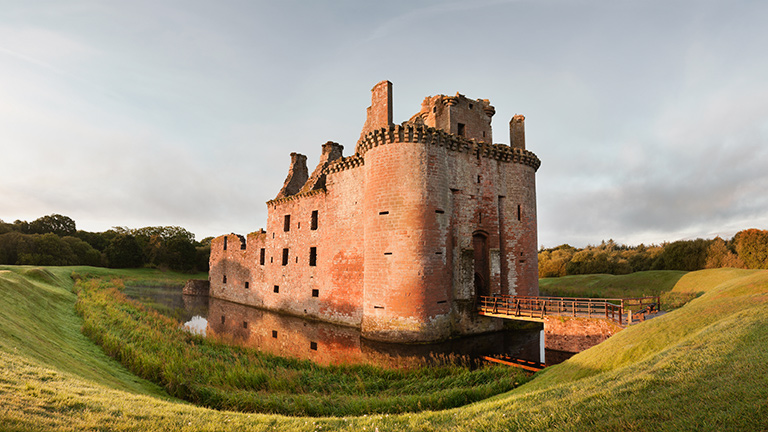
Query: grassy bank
(222,376)
(702,367)
(639,284)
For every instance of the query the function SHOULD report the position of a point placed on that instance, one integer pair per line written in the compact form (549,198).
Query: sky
(650,117)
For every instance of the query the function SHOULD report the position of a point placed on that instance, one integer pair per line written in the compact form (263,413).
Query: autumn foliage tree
(752,248)
(747,249)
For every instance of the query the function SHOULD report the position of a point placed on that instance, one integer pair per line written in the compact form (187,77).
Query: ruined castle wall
(343,248)
(289,274)
(232,274)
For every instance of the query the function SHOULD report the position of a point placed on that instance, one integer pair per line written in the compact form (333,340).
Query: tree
(720,255)
(98,241)
(85,254)
(752,248)
(181,254)
(45,249)
(9,246)
(124,252)
(552,262)
(7,227)
(55,223)
(688,255)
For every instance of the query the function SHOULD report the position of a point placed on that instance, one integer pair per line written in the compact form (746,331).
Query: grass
(223,376)
(639,284)
(702,367)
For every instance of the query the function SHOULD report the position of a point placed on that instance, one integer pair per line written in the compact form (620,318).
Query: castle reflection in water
(325,343)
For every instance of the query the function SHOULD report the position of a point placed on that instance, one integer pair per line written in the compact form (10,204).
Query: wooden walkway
(623,311)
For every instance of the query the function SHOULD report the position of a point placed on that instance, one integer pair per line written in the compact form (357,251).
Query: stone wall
(576,334)
(196,287)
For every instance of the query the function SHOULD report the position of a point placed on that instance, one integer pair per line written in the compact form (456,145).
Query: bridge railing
(612,309)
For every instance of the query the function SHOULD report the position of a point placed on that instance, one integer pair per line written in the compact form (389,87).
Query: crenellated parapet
(345,163)
(418,133)
(300,195)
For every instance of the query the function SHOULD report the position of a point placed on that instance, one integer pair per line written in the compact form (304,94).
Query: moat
(325,343)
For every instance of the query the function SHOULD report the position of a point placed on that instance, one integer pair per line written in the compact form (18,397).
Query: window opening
(312,256)
(245,324)
(315,293)
(383,213)
(287,223)
(247,285)
(276,289)
(313,346)
(313,224)
(225,242)
(461,129)
(274,334)
(223,318)
(224,279)
(285,256)
(519,213)
(262,254)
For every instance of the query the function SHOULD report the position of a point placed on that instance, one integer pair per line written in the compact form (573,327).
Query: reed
(218,375)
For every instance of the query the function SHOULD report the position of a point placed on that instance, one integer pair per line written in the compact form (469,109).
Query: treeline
(747,249)
(55,240)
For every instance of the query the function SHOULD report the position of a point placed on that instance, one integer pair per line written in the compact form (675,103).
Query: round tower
(407,282)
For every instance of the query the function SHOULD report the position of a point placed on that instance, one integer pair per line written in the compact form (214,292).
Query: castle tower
(403,237)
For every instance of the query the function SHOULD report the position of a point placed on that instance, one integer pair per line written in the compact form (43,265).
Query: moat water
(325,343)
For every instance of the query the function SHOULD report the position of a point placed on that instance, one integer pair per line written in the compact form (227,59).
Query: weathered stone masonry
(400,238)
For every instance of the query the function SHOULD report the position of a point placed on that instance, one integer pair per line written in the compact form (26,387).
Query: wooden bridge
(623,311)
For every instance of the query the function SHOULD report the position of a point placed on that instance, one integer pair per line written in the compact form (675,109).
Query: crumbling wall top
(297,176)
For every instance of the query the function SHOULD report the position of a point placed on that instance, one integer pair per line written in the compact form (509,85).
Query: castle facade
(400,238)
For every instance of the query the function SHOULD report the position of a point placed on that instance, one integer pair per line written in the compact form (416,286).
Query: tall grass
(222,376)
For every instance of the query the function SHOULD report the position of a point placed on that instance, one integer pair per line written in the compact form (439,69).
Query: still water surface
(325,343)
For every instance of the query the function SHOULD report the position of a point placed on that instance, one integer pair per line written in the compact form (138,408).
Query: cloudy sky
(650,117)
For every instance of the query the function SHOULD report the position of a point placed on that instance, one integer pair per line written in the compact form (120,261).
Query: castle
(400,238)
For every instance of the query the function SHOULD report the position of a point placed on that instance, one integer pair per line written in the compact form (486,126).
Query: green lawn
(639,284)
(701,367)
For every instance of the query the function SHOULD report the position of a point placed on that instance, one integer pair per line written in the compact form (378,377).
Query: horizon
(650,119)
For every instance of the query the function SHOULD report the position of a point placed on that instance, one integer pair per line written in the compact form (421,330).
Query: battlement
(345,163)
(420,133)
(296,196)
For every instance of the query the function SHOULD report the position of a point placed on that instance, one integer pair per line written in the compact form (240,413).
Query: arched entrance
(482,264)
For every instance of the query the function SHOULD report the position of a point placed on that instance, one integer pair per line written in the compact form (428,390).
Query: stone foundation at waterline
(577,334)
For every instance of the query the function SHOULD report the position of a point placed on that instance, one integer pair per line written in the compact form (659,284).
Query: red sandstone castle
(400,238)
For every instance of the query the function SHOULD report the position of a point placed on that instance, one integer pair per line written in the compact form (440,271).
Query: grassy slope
(701,367)
(639,284)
